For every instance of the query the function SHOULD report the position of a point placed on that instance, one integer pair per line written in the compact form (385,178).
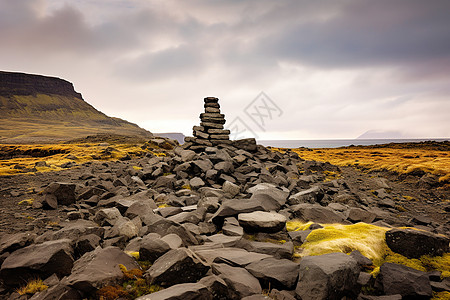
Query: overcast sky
(331,69)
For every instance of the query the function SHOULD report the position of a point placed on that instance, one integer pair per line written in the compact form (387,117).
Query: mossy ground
(399,160)
(28,159)
(368,239)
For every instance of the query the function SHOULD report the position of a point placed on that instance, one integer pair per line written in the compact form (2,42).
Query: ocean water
(338,143)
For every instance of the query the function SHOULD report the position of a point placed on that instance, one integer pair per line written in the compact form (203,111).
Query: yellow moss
(26,202)
(439,263)
(441,296)
(133,254)
(402,260)
(163,205)
(186,187)
(296,225)
(368,239)
(137,168)
(409,198)
(32,287)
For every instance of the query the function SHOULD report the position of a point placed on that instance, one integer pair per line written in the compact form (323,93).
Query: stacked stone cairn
(211,131)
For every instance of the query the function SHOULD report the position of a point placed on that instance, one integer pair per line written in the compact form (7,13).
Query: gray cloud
(337,68)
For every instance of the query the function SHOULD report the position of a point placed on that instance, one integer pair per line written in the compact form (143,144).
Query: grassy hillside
(39,109)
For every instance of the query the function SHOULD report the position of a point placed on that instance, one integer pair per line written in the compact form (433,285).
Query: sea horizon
(336,143)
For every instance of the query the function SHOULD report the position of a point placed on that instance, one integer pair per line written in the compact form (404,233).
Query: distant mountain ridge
(379,134)
(36,108)
(172,135)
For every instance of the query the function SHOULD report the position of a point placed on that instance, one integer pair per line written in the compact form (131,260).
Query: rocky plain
(221,219)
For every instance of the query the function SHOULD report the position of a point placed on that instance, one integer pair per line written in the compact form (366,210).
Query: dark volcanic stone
(279,273)
(41,260)
(99,268)
(183,291)
(330,276)
(176,266)
(64,192)
(414,243)
(240,281)
(405,281)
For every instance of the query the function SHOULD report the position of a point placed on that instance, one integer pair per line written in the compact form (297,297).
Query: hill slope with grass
(35,108)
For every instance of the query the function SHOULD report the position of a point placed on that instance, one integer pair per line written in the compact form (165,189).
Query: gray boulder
(274,249)
(107,216)
(152,247)
(414,243)
(230,189)
(239,280)
(232,256)
(277,273)
(217,286)
(246,144)
(330,276)
(407,282)
(41,260)
(183,291)
(316,213)
(12,242)
(270,196)
(63,192)
(176,266)
(236,206)
(99,268)
(355,215)
(140,208)
(261,221)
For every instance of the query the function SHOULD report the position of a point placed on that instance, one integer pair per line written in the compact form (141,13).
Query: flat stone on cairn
(211,131)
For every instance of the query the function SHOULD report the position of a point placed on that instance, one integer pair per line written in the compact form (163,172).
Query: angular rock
(414,243)
(231,256)
(63,191)
(152,248)
(246,144)
(196,183)
(271,197)
(330,276)
(140,208)
(407,282)
(230,189)
(224,240)
(37,260)
(217,286)
(12,242)
(176,266)
(107,216)
(355,215)
(278,273)
(85,244)
(276,250)
(183,291)
(236,206)
(316,213)
(240,281)
(261,221)
(126,228)
(312,195)
(99,268)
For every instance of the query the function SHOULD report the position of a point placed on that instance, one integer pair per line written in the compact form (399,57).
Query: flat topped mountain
(35,108)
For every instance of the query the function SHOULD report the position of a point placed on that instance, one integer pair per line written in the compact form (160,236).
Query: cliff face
(28,84)
(35,108)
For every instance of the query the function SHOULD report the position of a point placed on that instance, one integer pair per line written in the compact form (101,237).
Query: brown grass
(401,161)
(22,155)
